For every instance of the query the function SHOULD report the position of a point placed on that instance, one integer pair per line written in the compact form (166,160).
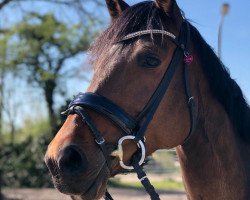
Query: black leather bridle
(135,128)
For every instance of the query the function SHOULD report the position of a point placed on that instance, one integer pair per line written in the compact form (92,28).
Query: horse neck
(215,160)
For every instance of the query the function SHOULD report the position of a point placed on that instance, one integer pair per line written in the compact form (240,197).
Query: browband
(145,32)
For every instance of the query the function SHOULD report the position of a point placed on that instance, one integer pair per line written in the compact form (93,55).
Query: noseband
(135,128)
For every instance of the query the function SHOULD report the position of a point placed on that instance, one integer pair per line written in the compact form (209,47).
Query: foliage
(3,49)
(80,7)
(39,48)
(41,44)
(22,163)
(32,128)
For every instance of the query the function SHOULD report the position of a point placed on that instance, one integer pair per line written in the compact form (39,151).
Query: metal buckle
(119,152)
(100,141)
(190,99)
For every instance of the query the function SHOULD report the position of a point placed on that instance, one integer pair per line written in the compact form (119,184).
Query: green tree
(4,65)
(2,72)
(40,47)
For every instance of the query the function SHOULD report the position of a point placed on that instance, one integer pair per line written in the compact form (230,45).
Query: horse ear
(116,7)
(165,5)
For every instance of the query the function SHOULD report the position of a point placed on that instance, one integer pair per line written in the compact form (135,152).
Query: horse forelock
(142,16)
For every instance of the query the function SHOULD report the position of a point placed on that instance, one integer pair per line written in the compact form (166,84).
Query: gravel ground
(118,194)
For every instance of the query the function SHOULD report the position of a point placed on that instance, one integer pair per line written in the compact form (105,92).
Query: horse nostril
(72,160)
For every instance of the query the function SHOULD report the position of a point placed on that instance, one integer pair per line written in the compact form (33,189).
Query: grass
(159,185)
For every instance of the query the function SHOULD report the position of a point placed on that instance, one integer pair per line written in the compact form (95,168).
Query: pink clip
(188,59)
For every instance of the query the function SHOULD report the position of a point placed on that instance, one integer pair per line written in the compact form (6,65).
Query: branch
(4,3)
(77,4)
(66,2)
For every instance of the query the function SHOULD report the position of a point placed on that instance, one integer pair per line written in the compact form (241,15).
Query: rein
(135,128)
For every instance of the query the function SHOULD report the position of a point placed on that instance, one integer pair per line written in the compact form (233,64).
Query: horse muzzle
(75,174)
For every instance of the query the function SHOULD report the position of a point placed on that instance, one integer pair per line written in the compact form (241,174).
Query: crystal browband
(145,32)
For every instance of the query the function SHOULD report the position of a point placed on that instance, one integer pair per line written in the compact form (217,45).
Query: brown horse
(132,59)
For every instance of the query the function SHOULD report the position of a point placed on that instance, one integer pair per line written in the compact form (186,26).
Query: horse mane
(223,87)
(146,15)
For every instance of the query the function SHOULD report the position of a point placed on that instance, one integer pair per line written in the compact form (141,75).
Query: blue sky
(235,38)
(205,15)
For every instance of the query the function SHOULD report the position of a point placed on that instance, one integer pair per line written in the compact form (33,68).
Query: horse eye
(148,61)
(152,62)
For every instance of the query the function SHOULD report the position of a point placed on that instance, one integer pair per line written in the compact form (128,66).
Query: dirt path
(119,194)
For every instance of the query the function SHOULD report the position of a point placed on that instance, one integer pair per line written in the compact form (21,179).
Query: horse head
(138,89)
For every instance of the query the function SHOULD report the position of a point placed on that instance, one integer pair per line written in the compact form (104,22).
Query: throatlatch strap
(190,98)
